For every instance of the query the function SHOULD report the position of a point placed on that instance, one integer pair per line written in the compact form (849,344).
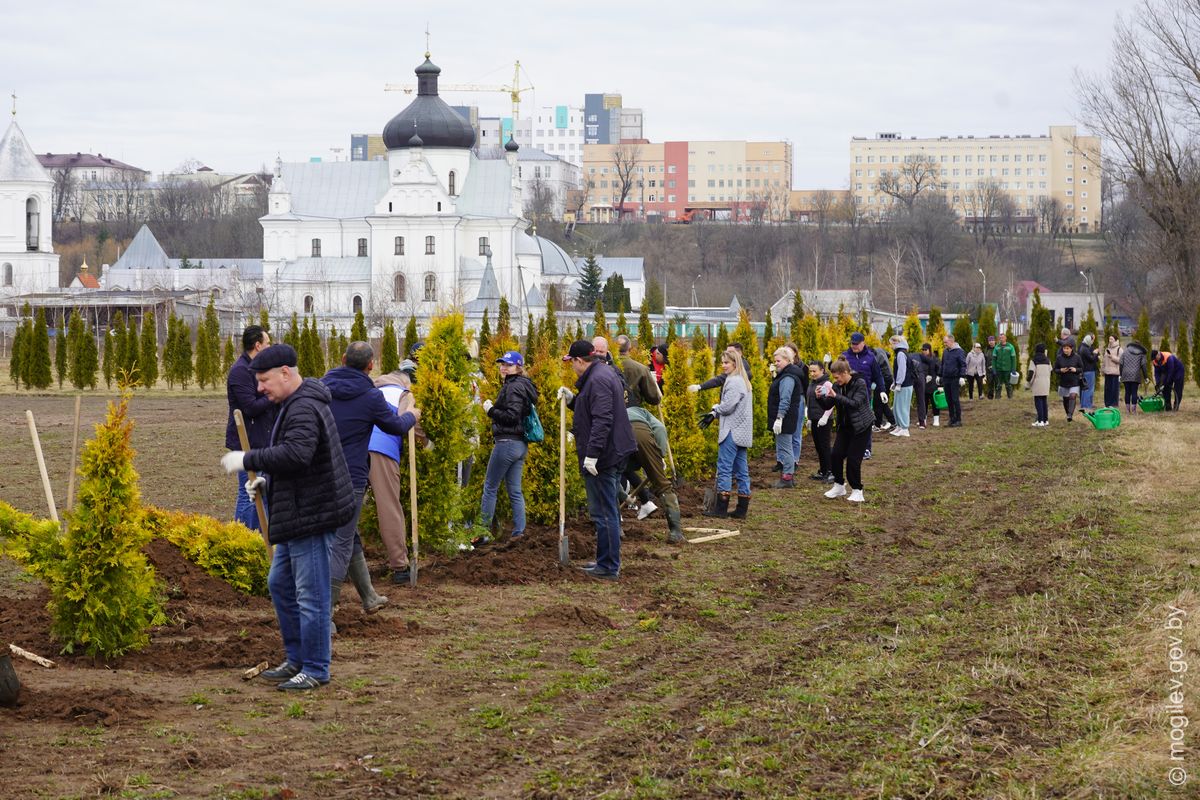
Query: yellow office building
(1062,166)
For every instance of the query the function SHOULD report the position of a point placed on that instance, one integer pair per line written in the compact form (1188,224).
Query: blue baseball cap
(512,358)
(857,337)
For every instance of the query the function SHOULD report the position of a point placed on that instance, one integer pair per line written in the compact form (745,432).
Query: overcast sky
(232,84)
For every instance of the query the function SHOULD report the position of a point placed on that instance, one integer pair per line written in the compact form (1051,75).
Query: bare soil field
(991,623)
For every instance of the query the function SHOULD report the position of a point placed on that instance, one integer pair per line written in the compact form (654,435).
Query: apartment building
(607,121)
(1061,165)
(676,180)
(556,130)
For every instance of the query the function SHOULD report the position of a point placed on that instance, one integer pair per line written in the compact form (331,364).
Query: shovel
(244,440)
(564,544)
(412,501)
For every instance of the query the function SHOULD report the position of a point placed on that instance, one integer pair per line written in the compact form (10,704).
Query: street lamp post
(694,303)
(983,300)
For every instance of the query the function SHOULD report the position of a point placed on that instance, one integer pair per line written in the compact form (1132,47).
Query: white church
(28,262)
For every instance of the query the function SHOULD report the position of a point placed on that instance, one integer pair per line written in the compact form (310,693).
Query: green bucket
(939,400)
(1151,404)
(1105,419)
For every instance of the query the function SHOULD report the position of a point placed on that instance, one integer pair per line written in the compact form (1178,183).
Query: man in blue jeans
(303,474)
(258,414)
(603,440)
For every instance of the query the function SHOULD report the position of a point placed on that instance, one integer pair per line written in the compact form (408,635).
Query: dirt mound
(533,558)
(567,616)
(185,581)
(83,706)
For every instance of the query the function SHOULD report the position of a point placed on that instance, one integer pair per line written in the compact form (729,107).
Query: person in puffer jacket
(852,399)
(1168,377)
(517,398)
(819,405)
(1134,372)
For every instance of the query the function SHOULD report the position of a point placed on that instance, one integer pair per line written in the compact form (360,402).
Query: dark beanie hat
(277,355)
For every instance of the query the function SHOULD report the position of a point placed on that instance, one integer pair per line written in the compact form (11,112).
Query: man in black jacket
(308,487)
(954,370)
(603,440)
(258,413)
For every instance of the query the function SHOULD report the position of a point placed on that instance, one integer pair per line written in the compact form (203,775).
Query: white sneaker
(885,425)
(1036,425)
(937,422)
(895,431)
(902,432)
(647,509)
(857,496)
(837,490)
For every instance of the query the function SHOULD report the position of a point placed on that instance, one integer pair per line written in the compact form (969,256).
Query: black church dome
(428,119)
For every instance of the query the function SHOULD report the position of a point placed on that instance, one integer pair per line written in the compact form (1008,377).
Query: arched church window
(483,245)
(316,248)
(453,184)
(399,288)
(430,287)
(308,304)
(357,304)
(8,275)
(32,224)
(362,247)
(429,245)
(399,245)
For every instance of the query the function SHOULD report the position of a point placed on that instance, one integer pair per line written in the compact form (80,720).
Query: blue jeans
(798,436)
(299,584)
(1087,393)
(245,512)
(902,400)
(505,464)
(784,453)
(731,462)
(606,516)
(345,541)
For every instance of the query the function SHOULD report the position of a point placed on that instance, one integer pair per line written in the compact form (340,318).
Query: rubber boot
(358,572)
(743,505)
(722,507)
(335,594)
(674,528)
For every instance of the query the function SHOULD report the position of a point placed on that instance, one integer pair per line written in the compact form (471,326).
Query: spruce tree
(599,323)
(39,353)
(148,351)
(411,336)
(591,284)
(485,334)
(60,354)
(358,331)
(645,334)
(17,357)
(1142,334)
(1181,350)
(389,358)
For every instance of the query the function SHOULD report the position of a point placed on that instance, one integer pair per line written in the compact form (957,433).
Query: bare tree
(63,193)
(893,271)
(626,165)
(541,201)
(1051,217)
(934,241)
(918,174)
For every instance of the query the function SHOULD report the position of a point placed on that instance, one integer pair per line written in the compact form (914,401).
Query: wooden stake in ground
(412,502)
(74,455)
(37,449)
(670,455)
(564,544)
(34,657)
(244,440)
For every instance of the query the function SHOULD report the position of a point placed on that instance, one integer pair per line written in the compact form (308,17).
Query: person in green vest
(1004,363)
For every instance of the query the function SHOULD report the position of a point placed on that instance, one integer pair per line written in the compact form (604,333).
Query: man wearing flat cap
(603,440)
(307,487)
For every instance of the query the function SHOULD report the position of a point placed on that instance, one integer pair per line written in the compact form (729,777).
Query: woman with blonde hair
(784,406)
(735,435)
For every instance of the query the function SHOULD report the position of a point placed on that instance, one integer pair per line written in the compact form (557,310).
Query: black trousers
(848,450)
(820,437)
(1172,389)
(972,382)
(919,393)
(882,410)
(1042,407)
(1131,392)
(1112,391)
(953,401)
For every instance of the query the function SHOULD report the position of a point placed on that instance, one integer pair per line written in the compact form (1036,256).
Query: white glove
(664,466)
(895,386)
(589,464)
(428,444)
(570,437)
(824,420)
(565,394)
(929,379)
(883,397)
(777,428)
(716,409)
(233,461)
(487,406)
(254,485)
(693,388)
(772,368)
(828,358)
(962,381)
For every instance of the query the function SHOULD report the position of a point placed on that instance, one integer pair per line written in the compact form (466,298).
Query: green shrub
(228,551)
(688,444)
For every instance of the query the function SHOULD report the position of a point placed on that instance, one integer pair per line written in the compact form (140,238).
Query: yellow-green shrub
(228,551)
(688,444)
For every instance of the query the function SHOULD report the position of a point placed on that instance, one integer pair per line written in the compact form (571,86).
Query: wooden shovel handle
(258,503)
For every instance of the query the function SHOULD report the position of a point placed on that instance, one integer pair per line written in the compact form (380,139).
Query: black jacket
(308,488)
(718,380)
(817,406)
(954,363)
(1068,379)
(792,417)
(1088,356)
(853,402)
(601,425)
(241,389)
(885,368)
(517,396)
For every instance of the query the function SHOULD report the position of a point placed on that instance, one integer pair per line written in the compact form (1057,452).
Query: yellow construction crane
(514,91)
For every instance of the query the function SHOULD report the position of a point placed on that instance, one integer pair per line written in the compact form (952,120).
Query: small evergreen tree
(888,333)
(591,284)
(109,359)
(1041,326)
(645,334)
(1089,327)
(332,356)
(264,320)
(722,343)
(1164,344)
(411,336)
(228,355)
(599,323)
(688,444)
(60,354)
(358,331)
(760,376)
(148,351)
(673,327)
(208,348)
(809,341)
(531,336)
(39,353)
(913,332)
(170,352)
(503,323)
(962,332)
(304,354)
(935,329)
(615,295)
(622,326)
(655,298)
(85,363)
(389,358)
(1012,339)
(768,335)
(129,353)
(797,315)
(987,322)
(485,334)
(1181,350)
(184,367)
(17,356)
(1142,334)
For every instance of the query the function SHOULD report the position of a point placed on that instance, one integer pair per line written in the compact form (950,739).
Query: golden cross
(427,39)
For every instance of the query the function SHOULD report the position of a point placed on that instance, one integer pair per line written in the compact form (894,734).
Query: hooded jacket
(904,371)
(885,369)
(358,407)
(1088,356)
(1133,364)
(865,365)
(1039,375)
(517,396)
(308,487)
(853,403)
